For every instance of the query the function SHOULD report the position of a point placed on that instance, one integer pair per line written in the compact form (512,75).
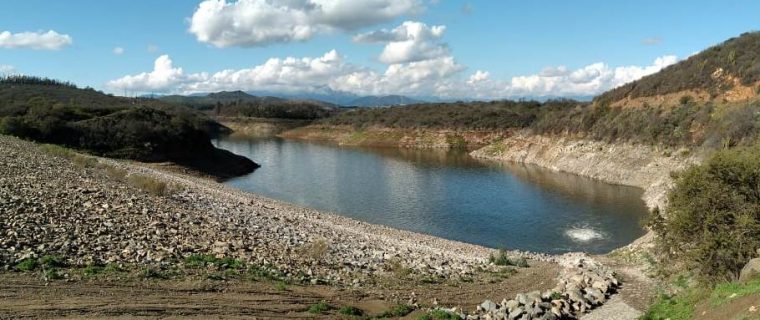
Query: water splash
(584,234)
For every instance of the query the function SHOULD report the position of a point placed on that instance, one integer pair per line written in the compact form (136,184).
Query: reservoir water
(447,194)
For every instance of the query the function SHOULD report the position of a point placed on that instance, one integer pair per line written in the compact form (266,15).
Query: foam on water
(584,234)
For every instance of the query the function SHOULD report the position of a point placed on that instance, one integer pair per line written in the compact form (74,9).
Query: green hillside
(140,129)
(241,104)
(738,58)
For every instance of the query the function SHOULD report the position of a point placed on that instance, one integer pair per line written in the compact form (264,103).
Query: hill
(383,101)
(729,71)
(241,104)
(140,129)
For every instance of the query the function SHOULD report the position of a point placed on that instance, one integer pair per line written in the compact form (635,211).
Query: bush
(713,222)
(397,311)
(28,264)
(319,308)
(439,315)
(351,311)
(503,259)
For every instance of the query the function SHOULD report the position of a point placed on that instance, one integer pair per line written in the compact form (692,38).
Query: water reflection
(447,194)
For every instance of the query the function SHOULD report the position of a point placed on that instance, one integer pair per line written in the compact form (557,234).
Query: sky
(421,48)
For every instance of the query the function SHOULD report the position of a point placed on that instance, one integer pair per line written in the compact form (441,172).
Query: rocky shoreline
(627,164)
(77,209)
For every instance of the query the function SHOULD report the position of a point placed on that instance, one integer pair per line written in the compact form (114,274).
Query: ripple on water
(584,234)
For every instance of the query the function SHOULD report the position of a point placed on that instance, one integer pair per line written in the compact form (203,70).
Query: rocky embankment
(582,286)
(395,137)
(50,205)
(640,166)
(260,127)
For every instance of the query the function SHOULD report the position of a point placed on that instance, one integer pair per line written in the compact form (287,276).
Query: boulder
(750,270)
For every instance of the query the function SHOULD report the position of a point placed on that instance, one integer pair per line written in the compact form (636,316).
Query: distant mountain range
(325,98)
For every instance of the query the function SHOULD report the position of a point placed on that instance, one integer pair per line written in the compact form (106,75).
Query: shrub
(319,308)
(713,222)
(28,264)
(351,311)
(149,184)
(52,261)
(503,259)
(397,311)
(439,315)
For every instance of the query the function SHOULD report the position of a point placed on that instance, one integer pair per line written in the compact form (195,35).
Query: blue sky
(449,48)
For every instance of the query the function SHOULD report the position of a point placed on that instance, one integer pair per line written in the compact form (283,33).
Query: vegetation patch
(351,311)
(439,315)
(713,221)
(397,311)
(149,184)
(319,308)
(502,259)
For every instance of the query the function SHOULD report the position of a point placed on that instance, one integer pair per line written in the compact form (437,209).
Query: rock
(488,306)
(750,270)
(516,313)
(510,305)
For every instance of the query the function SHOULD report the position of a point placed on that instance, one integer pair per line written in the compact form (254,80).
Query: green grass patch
(397,311)
(678,307)
(28,264)
(351,311)
(319,308)
(439,315)
(281,286)
(726,292)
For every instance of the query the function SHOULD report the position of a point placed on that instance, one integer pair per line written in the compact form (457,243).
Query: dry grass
(316,250)
(149,184)
(115,173)
(80,160)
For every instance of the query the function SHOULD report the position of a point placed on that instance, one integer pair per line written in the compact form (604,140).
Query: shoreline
(201,216)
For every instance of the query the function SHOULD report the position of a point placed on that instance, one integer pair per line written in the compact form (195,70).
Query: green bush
(397,311)
(319,308)
(713,221)
(28,264)
(351,311)
(439,315)
(503,259)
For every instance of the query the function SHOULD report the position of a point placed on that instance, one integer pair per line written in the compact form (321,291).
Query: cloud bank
(50,40)
(249,23)
(433,77)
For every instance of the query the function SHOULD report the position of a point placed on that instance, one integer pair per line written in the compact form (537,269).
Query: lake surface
(447,194)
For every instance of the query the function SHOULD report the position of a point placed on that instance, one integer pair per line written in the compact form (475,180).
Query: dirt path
(634,296)
(26,296)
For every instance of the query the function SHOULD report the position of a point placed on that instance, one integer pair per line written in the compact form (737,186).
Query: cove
(446,194)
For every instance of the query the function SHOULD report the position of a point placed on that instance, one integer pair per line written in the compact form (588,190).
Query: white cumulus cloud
(441,76)
(118,51)
(49,40)
(330,71)
(250,23)
(478,77)
(409,42)
(164,77)
(588,80)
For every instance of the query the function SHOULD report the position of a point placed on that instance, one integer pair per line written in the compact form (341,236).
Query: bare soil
(27,296)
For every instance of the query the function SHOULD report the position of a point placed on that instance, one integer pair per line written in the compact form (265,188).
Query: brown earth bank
(394,137)
(84,236)
(260,127)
